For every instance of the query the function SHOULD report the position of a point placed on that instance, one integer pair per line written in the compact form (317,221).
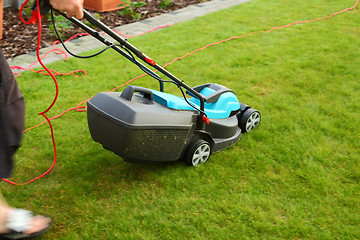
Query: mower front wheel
(249,120)
(198,153)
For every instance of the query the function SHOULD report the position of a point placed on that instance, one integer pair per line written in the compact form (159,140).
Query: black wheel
(249,120)
(198,153)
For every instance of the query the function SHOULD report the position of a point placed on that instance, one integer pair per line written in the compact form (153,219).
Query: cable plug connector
(34,17)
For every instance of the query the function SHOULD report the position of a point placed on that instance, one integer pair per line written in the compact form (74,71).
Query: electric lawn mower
(145,125)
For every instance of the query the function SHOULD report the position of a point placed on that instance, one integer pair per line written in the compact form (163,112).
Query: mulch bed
(19,39)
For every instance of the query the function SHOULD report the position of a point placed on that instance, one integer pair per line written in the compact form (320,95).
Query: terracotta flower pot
(102,5)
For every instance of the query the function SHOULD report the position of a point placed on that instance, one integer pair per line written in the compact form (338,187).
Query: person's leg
(12,111)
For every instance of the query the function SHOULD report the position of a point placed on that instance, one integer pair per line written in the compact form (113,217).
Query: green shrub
(131,9)
(165,4)
(61,23)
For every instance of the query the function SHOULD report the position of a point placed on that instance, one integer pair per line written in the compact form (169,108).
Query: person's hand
(72,8)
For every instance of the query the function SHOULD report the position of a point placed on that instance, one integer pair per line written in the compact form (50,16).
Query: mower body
(140,124)
(139,129)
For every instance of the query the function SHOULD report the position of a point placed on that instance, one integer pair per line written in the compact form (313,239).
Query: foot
(21,224)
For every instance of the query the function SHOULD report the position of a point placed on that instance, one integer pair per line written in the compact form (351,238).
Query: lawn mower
(146,125)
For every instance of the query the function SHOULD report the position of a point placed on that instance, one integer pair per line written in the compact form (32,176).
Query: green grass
(295,177)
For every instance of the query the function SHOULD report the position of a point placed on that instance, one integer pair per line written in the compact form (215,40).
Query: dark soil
(19,38)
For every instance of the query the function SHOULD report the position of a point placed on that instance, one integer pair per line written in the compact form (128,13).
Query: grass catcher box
(137,128)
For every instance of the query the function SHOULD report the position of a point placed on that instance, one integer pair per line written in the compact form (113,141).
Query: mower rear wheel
(249,120)
(198,153)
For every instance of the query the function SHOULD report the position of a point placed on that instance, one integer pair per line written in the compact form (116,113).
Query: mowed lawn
(294,177)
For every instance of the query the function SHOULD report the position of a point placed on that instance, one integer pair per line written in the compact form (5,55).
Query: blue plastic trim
(226,104)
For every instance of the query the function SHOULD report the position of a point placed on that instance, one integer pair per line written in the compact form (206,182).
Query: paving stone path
(88,42)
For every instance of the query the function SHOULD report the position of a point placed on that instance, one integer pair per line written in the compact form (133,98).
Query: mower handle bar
(44,8)
(123,42)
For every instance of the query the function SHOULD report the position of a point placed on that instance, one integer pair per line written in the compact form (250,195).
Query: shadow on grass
(104,166)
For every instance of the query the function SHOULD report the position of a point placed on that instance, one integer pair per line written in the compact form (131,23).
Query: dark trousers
(12,110)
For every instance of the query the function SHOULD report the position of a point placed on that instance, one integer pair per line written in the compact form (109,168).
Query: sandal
(19,221)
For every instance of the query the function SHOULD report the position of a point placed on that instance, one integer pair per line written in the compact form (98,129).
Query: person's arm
(72,8)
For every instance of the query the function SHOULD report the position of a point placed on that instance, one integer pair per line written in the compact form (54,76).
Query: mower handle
(130,90)
(125,44)
(44,6)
